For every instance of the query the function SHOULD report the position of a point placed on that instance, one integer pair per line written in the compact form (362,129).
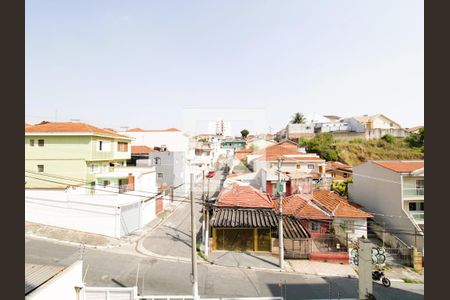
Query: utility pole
(204,206)
(194,244)
(280,217)
(365,284)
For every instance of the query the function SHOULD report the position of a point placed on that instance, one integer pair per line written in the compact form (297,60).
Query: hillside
(357,151)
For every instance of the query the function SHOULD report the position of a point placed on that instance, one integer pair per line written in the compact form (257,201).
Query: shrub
(388,138)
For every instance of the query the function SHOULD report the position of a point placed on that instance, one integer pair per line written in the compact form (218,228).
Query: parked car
(211,174)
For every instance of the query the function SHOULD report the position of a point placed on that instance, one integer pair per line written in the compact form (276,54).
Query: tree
(416,140)
(323,145)
(388,138)
(244,133)
(298,118)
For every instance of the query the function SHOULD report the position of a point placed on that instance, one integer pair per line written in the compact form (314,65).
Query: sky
(145,63)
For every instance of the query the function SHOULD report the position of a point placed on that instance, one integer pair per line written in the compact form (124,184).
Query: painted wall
(380,192)
(62,286)
(172,167)
(358,230)
(174,141)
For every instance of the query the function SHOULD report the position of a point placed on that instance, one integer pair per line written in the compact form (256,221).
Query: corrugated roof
(241,217)
(37,275)
(399,166)
(70,127)
(293,229)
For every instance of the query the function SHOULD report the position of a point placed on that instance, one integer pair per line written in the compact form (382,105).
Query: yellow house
(58,154)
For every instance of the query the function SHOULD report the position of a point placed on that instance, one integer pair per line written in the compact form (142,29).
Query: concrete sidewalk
(326,269)
(244,260)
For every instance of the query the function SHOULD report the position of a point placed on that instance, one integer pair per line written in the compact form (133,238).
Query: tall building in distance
(219,128)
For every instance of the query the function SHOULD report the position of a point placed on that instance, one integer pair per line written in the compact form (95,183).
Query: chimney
(130,182)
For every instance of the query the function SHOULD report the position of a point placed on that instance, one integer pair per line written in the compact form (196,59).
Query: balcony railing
(418,215)
(412,192)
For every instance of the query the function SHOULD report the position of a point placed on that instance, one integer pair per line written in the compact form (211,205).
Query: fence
(326,243)
(297,249)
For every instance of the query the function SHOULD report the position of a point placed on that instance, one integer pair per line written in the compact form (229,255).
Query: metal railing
(413,191)
(418,216)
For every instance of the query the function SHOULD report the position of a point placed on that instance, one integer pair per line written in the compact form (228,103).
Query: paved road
(157,277)
(173,236)
(118,267)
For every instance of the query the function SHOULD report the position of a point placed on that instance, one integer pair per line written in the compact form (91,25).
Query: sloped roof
(366,118)
(242,217)
(140,149)
(243,196)
(155,130)
(401,166)
(331,165)
(412,129)
(287,149)
(300,206)
(338,206)
(37,275)
(70,127)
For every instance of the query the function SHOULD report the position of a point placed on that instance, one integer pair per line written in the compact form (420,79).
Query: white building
(172,139)
(394,192)
(43,282)
(219,128)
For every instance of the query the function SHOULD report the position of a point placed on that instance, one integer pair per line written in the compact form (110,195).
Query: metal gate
(129,218)
(299,249)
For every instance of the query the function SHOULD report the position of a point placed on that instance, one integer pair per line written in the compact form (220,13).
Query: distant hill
(358,151)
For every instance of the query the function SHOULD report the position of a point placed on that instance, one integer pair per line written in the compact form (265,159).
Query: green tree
(322,144)
(298,118)
(416,140)
(388,138)
(244,133)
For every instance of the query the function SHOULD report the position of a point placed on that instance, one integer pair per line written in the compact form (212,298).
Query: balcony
(413,192)
(418,216)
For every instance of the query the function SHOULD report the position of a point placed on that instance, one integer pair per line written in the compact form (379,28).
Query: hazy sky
(140,63)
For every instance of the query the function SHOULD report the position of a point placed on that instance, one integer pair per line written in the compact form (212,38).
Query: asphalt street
(126,267)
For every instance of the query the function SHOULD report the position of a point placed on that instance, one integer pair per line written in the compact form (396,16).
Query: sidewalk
(310,267)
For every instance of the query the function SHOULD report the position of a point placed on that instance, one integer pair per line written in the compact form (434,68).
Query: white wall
(109,293)
(175,141)
(62,286)
(99,214)
(359,229)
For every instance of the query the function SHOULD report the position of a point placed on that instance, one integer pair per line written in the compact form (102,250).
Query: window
(94,168)
(40,143)
(160,175)
(32,143)
(106,183)
(100,145)
(314,226)
(298,166)
(122,147)
(40,168)
(412,206)
(420,184)
(311,166)
(422,206)
(157,161)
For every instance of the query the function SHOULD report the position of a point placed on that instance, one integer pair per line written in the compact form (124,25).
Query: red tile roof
(300,206)
(401,166)
(69,127)
(338,206)
(284,148)
(243,196)
(156,130)
(331,165)
(28,125)
(140,149)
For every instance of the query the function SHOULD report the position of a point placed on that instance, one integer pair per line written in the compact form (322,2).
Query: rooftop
(155,130)
(300,206)
(401,166)
(70,127)
(37,275)
(337,205)
(140,149)
(243,196)
(287,149)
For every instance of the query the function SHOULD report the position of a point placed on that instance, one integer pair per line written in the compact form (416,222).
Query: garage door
(129,218)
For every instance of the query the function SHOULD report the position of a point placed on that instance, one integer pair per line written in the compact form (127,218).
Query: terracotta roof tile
(300,206)
(287,149)
(140,149)
(243,196)
(337,205)
(399,166)
(69,127)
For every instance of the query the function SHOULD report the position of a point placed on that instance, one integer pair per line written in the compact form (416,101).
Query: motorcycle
(377,275)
